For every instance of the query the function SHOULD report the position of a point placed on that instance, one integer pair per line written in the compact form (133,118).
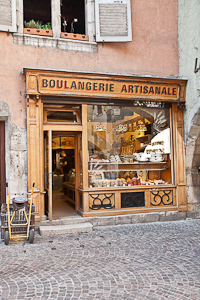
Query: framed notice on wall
(67,142)
(56,143)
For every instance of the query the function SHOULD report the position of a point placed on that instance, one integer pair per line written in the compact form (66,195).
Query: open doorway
(63,167)
(60,174)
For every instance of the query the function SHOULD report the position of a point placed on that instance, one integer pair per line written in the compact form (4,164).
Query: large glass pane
(128,146)
(62,116)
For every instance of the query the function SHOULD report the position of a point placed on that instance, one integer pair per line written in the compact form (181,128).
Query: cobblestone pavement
(143,261)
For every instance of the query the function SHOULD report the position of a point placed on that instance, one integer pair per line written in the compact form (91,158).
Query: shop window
(128,146)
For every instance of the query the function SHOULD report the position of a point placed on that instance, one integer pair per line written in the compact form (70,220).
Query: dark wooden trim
(2,163)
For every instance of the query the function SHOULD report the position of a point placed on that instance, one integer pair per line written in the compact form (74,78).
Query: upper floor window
(73,16)
(99,20)
(39,12)
(37,17)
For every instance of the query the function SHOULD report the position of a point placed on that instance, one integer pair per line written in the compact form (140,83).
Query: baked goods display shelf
(109,167)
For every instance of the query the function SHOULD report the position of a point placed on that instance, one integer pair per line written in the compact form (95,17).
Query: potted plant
(33,27)
(72,35)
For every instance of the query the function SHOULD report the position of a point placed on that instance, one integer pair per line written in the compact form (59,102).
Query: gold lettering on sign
(102,87)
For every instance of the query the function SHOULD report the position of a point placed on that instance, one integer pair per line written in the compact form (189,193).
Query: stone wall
(193,167)
(189,50)
(16,152)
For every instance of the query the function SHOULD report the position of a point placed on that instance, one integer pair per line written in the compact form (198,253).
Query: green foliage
(47,26)
(30,24)
(37,25)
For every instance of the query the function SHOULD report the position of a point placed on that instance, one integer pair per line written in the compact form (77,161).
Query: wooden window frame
(78,115)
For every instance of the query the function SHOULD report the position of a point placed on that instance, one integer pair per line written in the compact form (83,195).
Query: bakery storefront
(123,136)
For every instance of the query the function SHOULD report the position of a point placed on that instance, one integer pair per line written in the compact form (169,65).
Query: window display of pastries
(108,183)
(120,182)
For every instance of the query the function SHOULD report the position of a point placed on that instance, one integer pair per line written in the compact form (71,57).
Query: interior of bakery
(128,146)
(63,185)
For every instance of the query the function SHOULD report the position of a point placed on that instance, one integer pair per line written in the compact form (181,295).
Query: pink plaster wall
(153,51)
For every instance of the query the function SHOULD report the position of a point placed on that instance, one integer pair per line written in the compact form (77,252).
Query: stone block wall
(189,51)
(193,167)
(16,152)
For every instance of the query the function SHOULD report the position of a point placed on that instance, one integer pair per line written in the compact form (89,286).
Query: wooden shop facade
(123,135)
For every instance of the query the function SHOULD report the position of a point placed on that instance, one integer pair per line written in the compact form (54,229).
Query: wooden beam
(72,128)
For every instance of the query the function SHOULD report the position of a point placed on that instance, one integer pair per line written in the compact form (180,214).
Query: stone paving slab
(133,261)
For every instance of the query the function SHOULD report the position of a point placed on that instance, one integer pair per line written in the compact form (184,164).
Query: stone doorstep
(63,229)
(113,220)
(69,220)
(62,221)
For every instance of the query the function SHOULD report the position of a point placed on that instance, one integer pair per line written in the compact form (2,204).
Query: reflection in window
(61,116)
(128,146)
(62,113)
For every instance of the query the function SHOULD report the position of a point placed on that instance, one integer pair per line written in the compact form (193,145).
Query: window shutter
(113,21)
(8,15)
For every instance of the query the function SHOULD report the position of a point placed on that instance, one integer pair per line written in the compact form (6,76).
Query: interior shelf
(116,170)
(134,163)
(110,167)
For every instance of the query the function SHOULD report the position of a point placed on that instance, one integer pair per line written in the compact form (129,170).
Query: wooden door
(48,172)
(2,164)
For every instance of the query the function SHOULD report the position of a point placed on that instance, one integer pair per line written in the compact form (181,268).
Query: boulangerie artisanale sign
(110,88)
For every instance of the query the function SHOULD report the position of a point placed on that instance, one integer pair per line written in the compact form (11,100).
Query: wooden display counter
(69,191)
